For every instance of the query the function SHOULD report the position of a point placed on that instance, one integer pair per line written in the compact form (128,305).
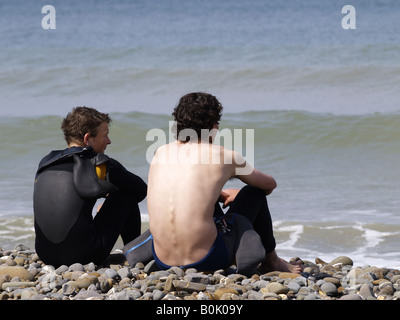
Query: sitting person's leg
(139,249)
(252,203)
(132,227)
(243,244)
(119,215)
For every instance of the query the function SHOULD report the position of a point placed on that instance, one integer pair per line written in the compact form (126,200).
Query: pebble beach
(23,276)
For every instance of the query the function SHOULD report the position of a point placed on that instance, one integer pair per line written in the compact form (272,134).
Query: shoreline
(20,230)
(23,276)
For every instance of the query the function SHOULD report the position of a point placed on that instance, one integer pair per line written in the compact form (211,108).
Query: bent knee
(253,191)
(250,247)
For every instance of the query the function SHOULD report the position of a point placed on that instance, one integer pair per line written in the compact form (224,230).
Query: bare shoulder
(236,159)
(226,155)
(230,159)
(161,155)
(164,147)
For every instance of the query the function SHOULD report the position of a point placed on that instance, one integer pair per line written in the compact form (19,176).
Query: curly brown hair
(82,120)
(196,111)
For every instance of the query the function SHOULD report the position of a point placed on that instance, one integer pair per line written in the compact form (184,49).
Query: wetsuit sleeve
(126,181)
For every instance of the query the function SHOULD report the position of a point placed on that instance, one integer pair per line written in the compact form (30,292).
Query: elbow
(274,184)
(144,192)
(271,187)
(141,192)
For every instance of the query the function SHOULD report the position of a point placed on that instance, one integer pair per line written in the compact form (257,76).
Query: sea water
(322,101)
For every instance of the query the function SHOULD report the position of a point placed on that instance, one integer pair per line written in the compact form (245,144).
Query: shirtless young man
(185,183)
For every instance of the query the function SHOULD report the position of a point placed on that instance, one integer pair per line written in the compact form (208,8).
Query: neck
(73,144)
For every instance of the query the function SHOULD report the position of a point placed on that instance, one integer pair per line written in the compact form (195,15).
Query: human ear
(86,138)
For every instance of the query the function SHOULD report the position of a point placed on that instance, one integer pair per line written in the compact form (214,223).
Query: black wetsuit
(65,192)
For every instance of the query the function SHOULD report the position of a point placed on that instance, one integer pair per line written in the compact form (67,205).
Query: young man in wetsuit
(185,183)
(67,185)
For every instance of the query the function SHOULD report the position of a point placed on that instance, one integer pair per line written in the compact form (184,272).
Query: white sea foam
(374,237)
(294,231)
(365,244)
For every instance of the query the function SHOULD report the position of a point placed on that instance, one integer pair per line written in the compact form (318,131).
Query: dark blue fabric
(217,258)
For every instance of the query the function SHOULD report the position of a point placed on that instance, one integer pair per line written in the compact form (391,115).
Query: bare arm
(253,176)
(259,180)
(227,196)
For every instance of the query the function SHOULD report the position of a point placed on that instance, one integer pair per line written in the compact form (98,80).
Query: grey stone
(293,286)
(76,267)
(16,284)
(133,294)
(333,280)
(111,273)
(343,260)
(190,270)
(275,287)
(69,288)
(178,271)
(147,296)
(254,295)
(197,277)
(366,291)
(21,247)
(125,273)
(258,285)
(150,267)
(160,274)
(56,296)
(158,294)
(302,281)
(140,265)
(88,295)
(38,296)
(352,296)
(312,296)
(61,269)
(26,294)
(329,288)
(188,286)
(320,282)
(90,267)
(305,290)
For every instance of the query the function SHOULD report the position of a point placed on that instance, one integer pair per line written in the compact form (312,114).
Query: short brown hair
(82,120)
(196,111)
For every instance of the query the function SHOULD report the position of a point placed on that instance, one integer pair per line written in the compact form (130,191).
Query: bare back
(185,181)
